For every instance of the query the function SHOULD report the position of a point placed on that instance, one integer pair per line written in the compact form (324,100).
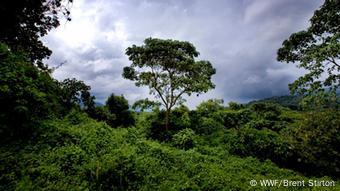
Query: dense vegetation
(78,153)
(54,137)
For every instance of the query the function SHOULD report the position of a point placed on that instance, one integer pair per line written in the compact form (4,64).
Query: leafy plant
(184,139)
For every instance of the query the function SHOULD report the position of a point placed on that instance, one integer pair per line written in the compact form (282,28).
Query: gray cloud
(240,38)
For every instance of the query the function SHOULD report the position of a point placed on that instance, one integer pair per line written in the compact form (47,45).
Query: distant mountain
(98,104)
(289,101)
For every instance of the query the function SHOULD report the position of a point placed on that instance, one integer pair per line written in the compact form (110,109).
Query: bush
(260,124)
(267,111)
(206,126)
(235,106)
(206,108)
(184,139)
(263,144)
(316,141)
(236,119)
(179,119)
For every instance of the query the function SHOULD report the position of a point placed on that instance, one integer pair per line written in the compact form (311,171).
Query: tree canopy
(24,22)
(76,93)
(316,49)
(169,69)
(27,95)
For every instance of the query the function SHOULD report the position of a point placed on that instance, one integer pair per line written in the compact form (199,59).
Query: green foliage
(76,93)
(184,139)
(169,69)
(236,119)
(145,104)
(210,106)
(179,119)
(27,95)
(266,115)
(290,101)
(207,125)
(316,49)
(266,110)
(24,22)
(321,101)
(263,144)
(316,141)
(208,116)
(235,105)
(89,155)
(101,113)
(119,107)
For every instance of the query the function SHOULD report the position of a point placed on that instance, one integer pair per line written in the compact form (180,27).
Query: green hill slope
(79,153)
(289,101)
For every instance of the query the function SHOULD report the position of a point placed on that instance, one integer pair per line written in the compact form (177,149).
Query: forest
(55,136)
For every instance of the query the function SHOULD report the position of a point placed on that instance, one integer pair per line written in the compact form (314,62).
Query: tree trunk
(167,116)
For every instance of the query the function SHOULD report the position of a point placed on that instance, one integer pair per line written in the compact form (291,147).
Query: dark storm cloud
(240,38)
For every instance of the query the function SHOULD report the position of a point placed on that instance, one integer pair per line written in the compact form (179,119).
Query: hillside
(79,153)
(289,101)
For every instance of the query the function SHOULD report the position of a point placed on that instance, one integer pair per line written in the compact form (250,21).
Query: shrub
(267,111)
(316,141)
(260,124)
(236,119)
(263,144)
(235,106)
(208,107)
(184,139)
(208,125)
(179,119)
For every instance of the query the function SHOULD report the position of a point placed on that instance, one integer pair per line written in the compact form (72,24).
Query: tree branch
(332,60)
(176,98)
(157,90)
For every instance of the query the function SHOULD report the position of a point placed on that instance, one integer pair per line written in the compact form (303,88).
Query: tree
(316,49)
(169,69)
(27,95)
(119,106)
(76,93)
(24,22)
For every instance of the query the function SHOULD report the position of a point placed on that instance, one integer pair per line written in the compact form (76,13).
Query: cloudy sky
(239,37)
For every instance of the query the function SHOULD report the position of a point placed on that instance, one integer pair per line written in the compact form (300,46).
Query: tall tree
(23,22)
(316,49)
(169,69)
(27,95)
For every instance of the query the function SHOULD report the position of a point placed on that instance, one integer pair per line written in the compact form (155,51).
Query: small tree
(119,107)
(169,69)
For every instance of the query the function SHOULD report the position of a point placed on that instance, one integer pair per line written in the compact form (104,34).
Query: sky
(239,37)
